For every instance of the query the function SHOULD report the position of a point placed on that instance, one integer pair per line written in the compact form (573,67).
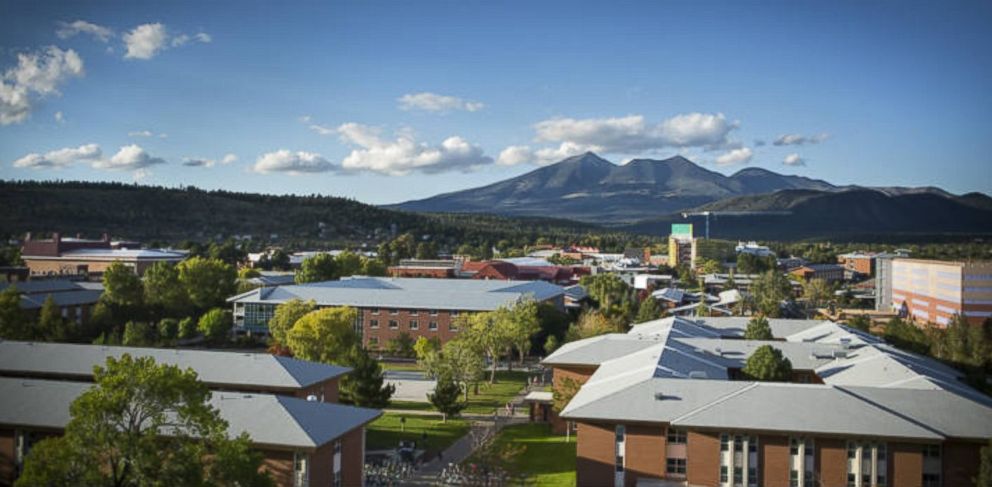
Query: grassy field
(495,396)
(405,366)
(385,433)
(547,459)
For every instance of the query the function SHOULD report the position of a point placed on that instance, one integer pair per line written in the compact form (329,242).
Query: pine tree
(768,364)
(364,386)
(447,397)
(51,326)
(758,329)
(648,311)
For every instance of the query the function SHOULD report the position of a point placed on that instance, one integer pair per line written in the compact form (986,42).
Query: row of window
(412,312)
(412,325)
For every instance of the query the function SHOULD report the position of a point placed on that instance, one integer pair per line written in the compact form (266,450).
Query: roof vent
(698,374)
(840,353)
(659,396)
(845,342)
(311,398)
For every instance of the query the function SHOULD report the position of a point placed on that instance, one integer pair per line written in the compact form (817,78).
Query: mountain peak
(587,158)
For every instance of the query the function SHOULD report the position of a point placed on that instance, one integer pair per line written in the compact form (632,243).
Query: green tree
(286,315)
(215,325)
(14,323)
(114,434)
(769,290)
(446,397)
(606,289)
(458,359)
(325,335)
(551,344)
(373,267)
(768,364)
(168,329)
(984,478)
(906,336)
(484,330)
(51,325)
(710,266)
(227,252)
(591,323)
(817,292)
(426,250)
(138,334)
(401,346)
(521,322)
(426,346)
(365,386)
(163,292)
(348,263)
(648,311)
(860,322)
(187,328)
(122,288)
(563,392)
(208,282)
(320,267)
(758,329)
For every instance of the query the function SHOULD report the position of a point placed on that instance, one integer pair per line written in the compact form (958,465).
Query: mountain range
(645,196)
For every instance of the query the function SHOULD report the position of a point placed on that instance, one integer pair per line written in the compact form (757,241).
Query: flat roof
(249,370)
(268,419)
(416,293)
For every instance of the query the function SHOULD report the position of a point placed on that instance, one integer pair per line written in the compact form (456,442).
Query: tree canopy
(325,335)
(768,364)
(758,329)
(365,385)
(208,282)
(286,315)
(769,291)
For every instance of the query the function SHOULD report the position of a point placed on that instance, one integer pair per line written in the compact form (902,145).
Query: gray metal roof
(417,293)
(268,419)
(949,413)
(599,349)
(734,353)
(734,326)
(63,298)
(248,370)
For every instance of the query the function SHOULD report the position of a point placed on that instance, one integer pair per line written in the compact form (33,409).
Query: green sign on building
(682,230)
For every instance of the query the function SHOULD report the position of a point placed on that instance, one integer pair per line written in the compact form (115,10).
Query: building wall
(961,460)
(831,461)
(906,467)
(645,453)
(377,337)
(977,293)
(45,267)
(279,465)
(327,389)
(595,450)
(703,458)
(7,452)
(577,373)
(774,458)
(432,272)
(353,457)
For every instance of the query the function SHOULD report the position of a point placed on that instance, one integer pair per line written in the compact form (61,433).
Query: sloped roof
(268,419)
(417,293)
(248,370)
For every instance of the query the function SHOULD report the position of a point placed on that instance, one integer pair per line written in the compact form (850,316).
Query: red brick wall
(831,460)
(279,465)
(7,452)
(703,462)
(906,465)
(423,318)
(774,459)
(353,457)
(328,388)
(961,461)
(577,373)
(645,449)
(595,457)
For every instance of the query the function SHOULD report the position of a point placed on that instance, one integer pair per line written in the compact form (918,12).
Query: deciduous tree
(215,325)
(320,267)
(325,335)
(208,282)
(286,315)
(769,291)
(14,324)
(446,397)
(51,326)
(758,329)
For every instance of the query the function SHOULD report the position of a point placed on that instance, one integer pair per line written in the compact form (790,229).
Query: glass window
(433,312)
(723,474)
(432,326)
(676,436)
(676,466)
(620,431)
(724,442)
(414,312)
(393,324)
(373,323)
(414,325)
(394,312)
(375,311)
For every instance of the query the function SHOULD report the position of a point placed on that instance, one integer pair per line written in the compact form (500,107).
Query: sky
(385,102)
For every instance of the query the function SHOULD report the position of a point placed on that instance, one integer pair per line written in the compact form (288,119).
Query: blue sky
(389,101)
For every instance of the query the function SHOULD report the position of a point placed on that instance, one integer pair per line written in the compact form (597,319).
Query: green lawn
(411,405)
(384,433)
(407,366)
(547,459)
(495,396)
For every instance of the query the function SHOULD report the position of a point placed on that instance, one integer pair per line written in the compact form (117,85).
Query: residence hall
(666,404)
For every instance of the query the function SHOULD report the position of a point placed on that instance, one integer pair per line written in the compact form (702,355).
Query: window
(454,313)
(414,325)
(931,480)
(301,472)
(373,341)
(394,312)
(620,437)
(676,436)
(867,464)
(393,324)
(375,311)
(373,323)
(414,312)
(739,460)
(433,312)
(676,466)
(801,458)
(337,446)
(931,466)
(432,326)
(452,326)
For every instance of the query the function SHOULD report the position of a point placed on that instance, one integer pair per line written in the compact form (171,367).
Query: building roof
(116,254)
(249,370)
(62,291)
(415,293)
(288,421)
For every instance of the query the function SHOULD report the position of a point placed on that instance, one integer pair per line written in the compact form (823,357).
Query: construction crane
(707,214)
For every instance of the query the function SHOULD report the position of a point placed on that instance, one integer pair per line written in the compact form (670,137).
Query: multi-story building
(62,256)
(287,406)
(667,402)
(754,249)
(827,272)
(388,307)
(681,246)
(436,268)
(858,263)
(75,300)
(934,291)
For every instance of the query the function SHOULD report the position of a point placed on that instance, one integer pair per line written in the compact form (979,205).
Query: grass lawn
(411,405)
(547,459)
(495,396)
(384,433)
(404,366)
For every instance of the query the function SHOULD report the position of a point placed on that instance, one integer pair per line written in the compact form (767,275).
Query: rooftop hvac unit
(840,353)
(312,398)
(845,343)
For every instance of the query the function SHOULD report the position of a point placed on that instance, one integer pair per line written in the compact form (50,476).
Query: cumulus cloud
(37,74)
(60,158)
(292,162)
(146,133)
(433,102)
(797,139)
(70,29)
(522,154)
(403,154)
(204,162)
(129,157)
(794,160)
(229,159)
(633,135)
(742,155)
(147,40)
(514,155)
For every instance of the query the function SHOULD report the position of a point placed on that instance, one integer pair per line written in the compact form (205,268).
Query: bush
(187,328)
(168,329)
(215,325)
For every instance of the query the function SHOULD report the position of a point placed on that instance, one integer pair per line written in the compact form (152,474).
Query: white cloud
(292,162)
(59,117)
(60,158)
(433,102)
(204,162)
(794,160)
(632,135)
(742,155)
(404,154)
(229,159)
(36,74)
(522,154)
(127,158)
(514,155)
(141,175)
(323,129)
(145,41)
(70,29)
(146,133)
(797,139)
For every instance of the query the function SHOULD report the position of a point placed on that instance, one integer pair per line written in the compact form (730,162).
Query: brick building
(439,268)
(62,256)
(388,307)
(75,300)
(827,272)
(666,403)
(858,263)
(287,406)
(934,291)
